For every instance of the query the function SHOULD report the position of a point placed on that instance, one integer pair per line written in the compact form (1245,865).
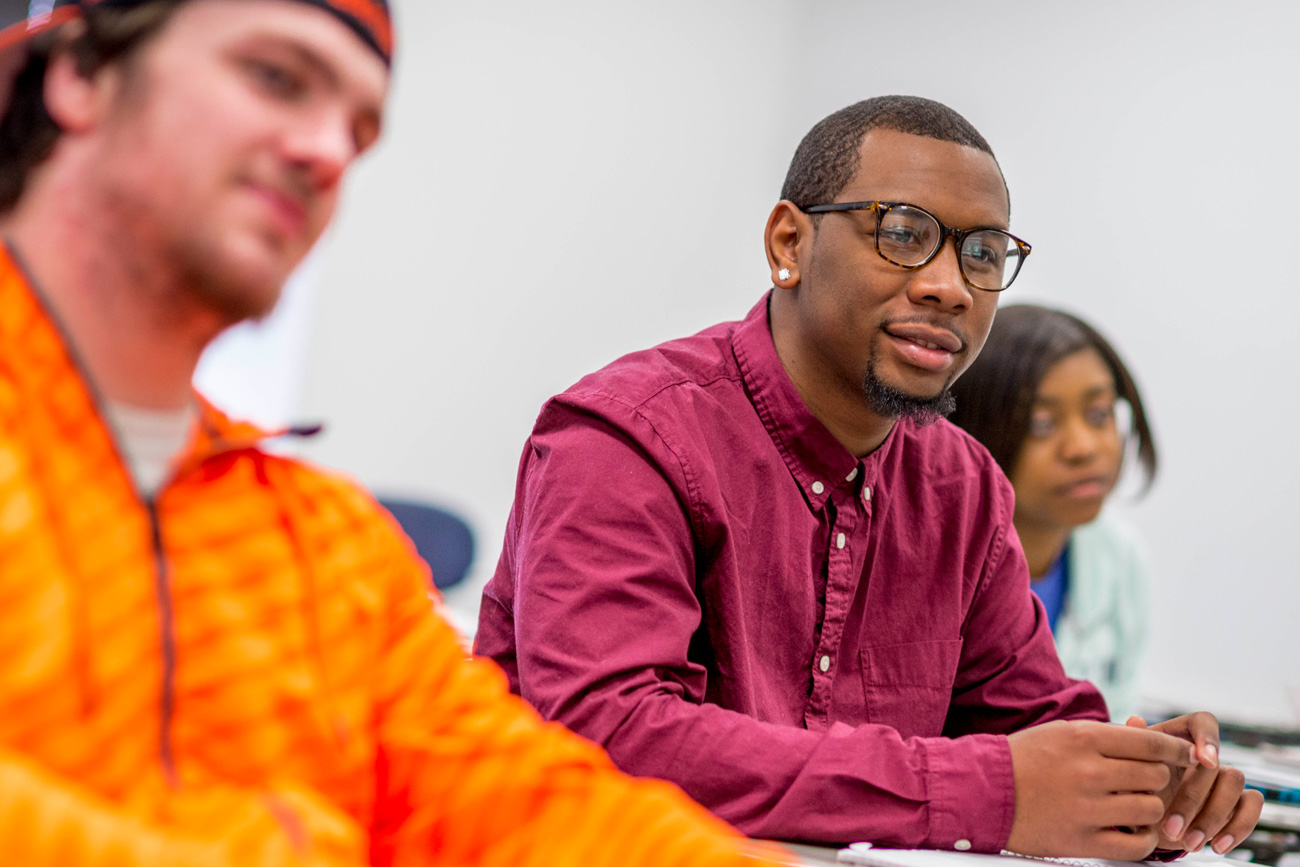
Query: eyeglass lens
(909,236)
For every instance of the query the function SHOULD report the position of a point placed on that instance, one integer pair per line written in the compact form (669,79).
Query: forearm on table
(834,786)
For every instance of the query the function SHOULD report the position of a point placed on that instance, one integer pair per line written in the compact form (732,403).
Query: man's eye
(899,236)
(980,252)
(277,80)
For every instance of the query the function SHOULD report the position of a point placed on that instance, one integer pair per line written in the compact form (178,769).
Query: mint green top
(1102,633)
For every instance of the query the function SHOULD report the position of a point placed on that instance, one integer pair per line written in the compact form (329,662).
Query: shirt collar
(818,461)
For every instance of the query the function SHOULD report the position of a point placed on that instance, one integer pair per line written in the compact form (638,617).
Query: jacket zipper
(167,624)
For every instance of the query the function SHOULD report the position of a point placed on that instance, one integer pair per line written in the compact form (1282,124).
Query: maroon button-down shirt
(698,576)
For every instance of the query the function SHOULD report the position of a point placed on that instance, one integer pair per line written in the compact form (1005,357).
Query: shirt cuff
(972,792)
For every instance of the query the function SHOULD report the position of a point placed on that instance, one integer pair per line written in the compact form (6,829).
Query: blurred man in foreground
(211,655)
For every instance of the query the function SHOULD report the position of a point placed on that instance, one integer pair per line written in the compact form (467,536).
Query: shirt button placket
(839,587)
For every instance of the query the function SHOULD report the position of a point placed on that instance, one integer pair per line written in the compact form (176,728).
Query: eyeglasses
(911,237)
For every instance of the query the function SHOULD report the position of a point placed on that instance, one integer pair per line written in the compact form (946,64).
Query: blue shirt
(1053,587)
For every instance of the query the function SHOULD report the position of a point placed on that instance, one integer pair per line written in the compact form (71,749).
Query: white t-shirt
(151,441)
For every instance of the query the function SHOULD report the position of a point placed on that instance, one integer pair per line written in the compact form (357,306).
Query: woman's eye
(1041,426)
(1100,416)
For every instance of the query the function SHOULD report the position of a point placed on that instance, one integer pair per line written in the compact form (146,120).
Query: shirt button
(818,487)
(961,845)
(853,474)
(839,541)
(866,494)
(825,665)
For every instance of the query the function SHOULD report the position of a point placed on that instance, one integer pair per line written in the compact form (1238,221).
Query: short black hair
(828,157)
(995,396)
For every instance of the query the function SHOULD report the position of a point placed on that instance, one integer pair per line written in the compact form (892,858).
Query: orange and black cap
(20,20)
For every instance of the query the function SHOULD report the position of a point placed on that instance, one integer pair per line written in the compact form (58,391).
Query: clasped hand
(1105,791)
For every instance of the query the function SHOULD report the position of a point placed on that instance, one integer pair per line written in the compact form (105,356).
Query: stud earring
(783,274)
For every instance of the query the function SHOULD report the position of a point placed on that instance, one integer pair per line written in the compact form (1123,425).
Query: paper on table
(871,857)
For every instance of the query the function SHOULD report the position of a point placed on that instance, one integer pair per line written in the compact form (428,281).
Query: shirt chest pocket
(909,686)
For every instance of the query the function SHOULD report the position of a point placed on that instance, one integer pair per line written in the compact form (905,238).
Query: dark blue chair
(443,539)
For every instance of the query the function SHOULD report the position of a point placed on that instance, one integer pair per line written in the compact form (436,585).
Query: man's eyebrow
(318,64)
(275,41)
(310,58)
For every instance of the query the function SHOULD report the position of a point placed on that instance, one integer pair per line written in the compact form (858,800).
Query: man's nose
(324,147)
(940,283)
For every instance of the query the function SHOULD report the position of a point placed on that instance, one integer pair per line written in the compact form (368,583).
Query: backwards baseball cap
(20,20)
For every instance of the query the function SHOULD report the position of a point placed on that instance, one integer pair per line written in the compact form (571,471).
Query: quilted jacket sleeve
(48,820)
(474,776)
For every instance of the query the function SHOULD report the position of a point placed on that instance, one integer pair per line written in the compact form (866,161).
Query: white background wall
(564,182)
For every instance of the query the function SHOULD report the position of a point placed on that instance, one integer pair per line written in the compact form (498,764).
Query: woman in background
(1043,398)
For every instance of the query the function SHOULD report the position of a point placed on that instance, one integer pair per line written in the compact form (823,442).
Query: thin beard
(889,402)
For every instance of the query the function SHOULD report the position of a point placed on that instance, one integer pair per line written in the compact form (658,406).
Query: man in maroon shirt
(757,563)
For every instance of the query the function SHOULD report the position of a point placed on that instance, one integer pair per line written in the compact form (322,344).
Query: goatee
(890,402)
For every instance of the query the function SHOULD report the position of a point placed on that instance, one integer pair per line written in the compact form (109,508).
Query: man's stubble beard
(889,402)
(229,291)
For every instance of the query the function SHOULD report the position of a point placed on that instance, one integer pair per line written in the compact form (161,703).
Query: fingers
(1129,811)
(1188,802)
(1218,807)
(1202,729)
(1145,745)
(1126,775)
(1136,721)
(1123,845)
(1241,824)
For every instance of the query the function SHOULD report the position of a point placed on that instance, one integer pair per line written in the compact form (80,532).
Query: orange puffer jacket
(248,671)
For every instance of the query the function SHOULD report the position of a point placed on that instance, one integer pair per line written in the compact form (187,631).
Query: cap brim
(13,46)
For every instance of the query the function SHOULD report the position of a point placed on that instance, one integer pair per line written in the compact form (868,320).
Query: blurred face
(226,140)
(872,323)
(1070,461)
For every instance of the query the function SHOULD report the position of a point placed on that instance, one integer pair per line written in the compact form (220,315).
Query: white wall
(565,182)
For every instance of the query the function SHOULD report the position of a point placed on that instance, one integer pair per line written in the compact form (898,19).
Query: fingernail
(1174,826)
(1213,752)
(1194,841)
(1224,844)
(1191,753)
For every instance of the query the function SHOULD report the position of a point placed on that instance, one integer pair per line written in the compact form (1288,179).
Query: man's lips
(925,346)
(287,211)
(928,336)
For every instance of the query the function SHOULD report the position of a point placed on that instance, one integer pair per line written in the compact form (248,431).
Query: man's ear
(788,239)
(76,102)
